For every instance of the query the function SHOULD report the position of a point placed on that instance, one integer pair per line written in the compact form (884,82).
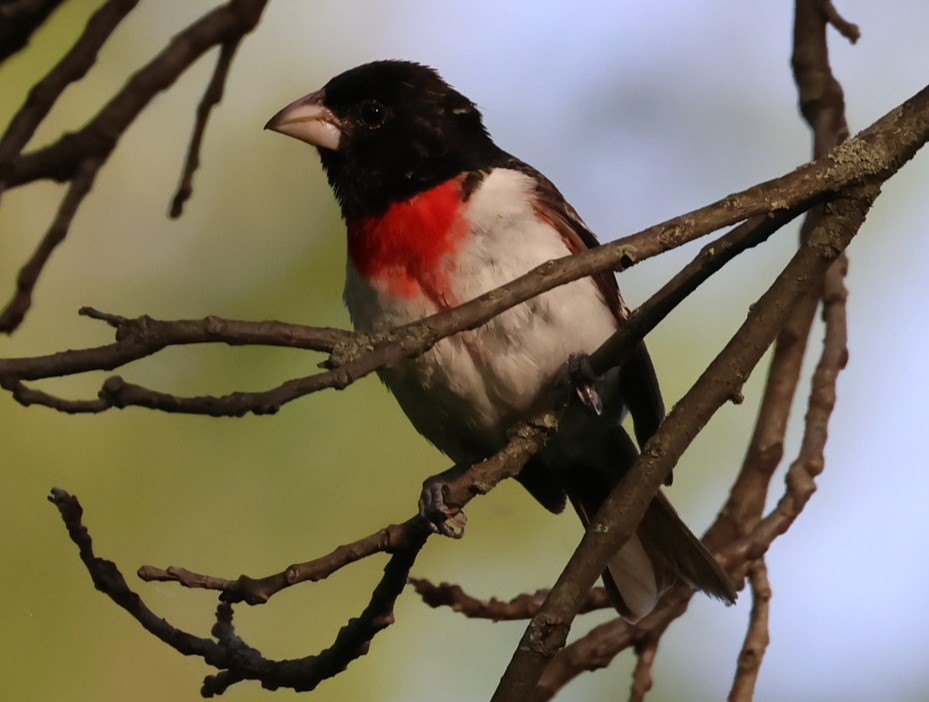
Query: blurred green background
(638,112)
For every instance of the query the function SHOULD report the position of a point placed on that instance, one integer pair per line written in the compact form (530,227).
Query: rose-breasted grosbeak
(438,214)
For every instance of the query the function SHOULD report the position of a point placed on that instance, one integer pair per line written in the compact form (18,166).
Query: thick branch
(141,337)
(19,20)
(602,644)
(623,509)
(874,154)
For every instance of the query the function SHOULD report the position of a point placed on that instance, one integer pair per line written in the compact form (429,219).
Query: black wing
(638,381)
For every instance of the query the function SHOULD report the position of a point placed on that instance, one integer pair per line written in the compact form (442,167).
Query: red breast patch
(408,246)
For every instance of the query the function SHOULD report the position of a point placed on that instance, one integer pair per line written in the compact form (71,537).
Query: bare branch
(254,591)
(211,98)
(241,662)
(845,28)
(823,106)
(18,21)
(74,154)
(237,660)
(602,644)
(143,336)
(72,67)
(97,139)
(465,486)
(599,647)
(810,461)
(746,501)
(876,153)
(623,509)
(642,675)
(522,606)
(756,638)
(16,308)
(352,355)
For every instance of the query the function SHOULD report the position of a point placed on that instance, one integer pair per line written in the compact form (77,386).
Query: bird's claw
(583,379)
(441,517)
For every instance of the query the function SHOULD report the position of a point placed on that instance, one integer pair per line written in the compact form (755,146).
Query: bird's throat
(408,248)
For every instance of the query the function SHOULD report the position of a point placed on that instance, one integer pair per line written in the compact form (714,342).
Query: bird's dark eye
(372,114)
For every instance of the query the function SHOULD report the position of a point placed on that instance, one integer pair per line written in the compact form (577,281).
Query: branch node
(847,29)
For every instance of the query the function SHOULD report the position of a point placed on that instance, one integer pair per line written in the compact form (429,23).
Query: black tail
(661,553)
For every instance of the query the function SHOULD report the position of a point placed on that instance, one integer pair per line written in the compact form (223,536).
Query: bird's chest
(471,387)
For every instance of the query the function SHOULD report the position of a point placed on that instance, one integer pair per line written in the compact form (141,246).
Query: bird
(437,214)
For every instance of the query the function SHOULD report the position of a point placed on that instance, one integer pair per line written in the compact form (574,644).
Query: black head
(386,131)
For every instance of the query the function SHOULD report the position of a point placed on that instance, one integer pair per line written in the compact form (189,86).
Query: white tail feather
(634,576)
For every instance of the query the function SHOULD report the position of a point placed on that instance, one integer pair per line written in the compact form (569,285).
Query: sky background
(638,112)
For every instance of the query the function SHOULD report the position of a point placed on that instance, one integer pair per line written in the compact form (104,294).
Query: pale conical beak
(307,119)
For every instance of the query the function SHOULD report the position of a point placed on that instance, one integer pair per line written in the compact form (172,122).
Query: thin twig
(395,538)
(810,461)
(522,606)
(211,98)
(642,681)
(757,637)
(847,29)
(97,139)
(253,591)
(16,308)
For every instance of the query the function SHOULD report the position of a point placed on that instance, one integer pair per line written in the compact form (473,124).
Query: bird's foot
(441,517)
(582,378)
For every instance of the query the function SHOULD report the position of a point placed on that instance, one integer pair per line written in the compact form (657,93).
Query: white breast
(469,389)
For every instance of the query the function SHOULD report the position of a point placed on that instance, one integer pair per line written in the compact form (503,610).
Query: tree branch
(70,158)
(18,20)
(756,638)
(520,607)
(211,98)
(622,510)
(71,68)
(642,681)
(873,155)
(232,655)
(352,356)
(236,660)
(822,103)
(598,648)
(16,308)
(840,186)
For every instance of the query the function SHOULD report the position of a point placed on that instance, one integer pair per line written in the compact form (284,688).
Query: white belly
(467,391)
